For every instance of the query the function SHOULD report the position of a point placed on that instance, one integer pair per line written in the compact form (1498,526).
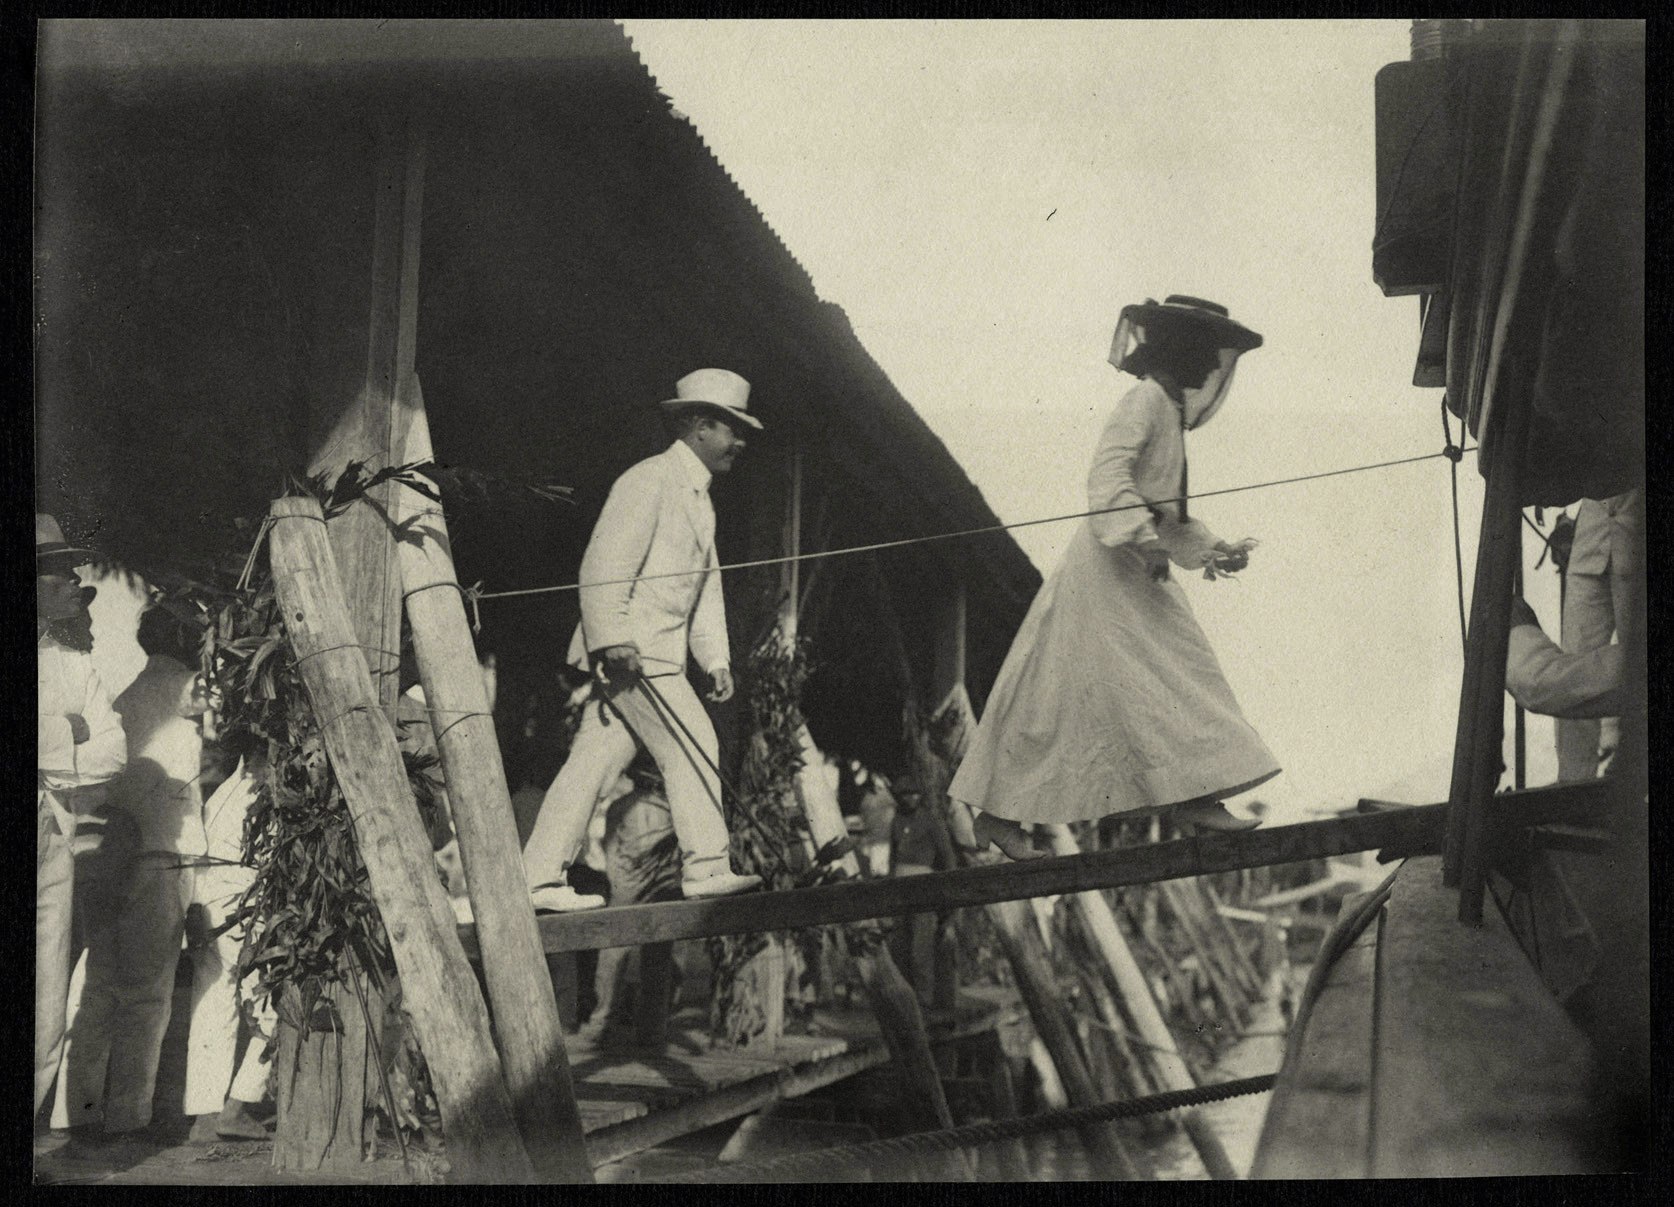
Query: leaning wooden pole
(1105,936)
(531,1038)
(896,1006)
(439,990)
(1036,981)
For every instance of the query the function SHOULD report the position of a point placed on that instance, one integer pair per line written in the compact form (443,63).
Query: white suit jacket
(1607,534)
(1544,679)
(658,521)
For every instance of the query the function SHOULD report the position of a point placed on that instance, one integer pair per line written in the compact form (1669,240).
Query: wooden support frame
(1417,830)
(531,1039)
(441,995)
(350,420)
(1502,438)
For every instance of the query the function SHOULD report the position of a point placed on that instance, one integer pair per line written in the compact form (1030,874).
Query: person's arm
(1110,480)
(1189,542)
(105,752)
(617,550)
(1544,679)
(708,635)
(55,744)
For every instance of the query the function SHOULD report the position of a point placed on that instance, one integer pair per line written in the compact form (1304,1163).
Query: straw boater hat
(52,551)
(714,390)
(1182,313)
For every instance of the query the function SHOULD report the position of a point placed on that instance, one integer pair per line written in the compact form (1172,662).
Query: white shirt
(159,786)
(66,684)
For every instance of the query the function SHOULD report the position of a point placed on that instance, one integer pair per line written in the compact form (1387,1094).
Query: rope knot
(1453,453)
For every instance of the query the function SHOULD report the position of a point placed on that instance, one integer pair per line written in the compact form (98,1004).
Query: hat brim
(59,554)
(720,408)
(1226,332)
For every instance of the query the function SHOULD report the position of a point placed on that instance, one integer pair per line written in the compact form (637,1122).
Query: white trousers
(120,999)
(54,900)
(603,748)
(213,1040)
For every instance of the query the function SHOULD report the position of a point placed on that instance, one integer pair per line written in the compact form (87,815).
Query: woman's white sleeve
(1110,481)
(1189,543)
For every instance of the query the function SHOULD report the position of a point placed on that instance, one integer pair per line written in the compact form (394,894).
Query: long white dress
(1110,699)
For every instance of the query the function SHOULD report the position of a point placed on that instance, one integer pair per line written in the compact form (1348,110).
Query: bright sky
(983,197)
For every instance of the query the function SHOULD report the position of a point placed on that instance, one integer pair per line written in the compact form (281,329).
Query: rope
(974,1134)
(964,532)
(665,713)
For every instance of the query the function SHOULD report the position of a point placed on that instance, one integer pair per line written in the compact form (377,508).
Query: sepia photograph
(765,601)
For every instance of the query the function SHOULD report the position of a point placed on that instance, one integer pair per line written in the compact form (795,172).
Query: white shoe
(721,884)
(562,899)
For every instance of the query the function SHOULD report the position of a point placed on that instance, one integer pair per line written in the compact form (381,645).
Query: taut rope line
(948,536)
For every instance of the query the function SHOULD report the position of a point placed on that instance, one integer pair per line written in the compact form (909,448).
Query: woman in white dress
(1110,700)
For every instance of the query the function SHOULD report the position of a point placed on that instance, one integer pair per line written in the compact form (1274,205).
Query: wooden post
(1013,1157)
(1247,972)
(439,989)
(1220,980)
(531,1039)
(1106,937)
(322,1066)
(1502,437)
(1479,740)
(356,358)
(902,1024)
(1039,986)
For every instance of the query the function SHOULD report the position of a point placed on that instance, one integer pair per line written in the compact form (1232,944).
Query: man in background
(121,999)
(79,746)
(1604,558)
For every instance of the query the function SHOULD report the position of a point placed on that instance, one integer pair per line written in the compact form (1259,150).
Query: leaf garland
(770,837)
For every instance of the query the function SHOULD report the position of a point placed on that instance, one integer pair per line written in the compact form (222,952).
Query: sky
(983,197)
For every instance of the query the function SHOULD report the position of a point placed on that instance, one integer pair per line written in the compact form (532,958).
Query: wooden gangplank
(1433,1050)
(1415,830)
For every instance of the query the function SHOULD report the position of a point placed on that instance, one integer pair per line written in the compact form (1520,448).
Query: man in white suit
(656,594)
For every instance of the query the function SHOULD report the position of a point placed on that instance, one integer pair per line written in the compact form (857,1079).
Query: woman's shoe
(1211,816)
(1007,835)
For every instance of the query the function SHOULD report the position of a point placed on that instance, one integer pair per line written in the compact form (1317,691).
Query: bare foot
(1005,834)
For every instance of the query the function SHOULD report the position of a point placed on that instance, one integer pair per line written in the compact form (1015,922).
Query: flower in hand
(1226,560)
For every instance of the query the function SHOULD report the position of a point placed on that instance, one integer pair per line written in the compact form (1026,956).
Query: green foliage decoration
(770,838)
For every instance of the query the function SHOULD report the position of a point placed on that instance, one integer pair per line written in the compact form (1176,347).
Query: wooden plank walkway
(1401,830)
(630,1100)
(1434,1050)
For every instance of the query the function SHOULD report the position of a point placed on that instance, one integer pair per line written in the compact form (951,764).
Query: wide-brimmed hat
(714,389)
(51,547)
(1184,313)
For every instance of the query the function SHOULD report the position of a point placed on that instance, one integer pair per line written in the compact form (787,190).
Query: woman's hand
(1231,557)
(1155,558)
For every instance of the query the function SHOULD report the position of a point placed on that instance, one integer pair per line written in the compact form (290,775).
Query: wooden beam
(1414,830)
(531,1039)
(1418,828)
(1098,923)
(657,1127)
(1503,431)
(439,991)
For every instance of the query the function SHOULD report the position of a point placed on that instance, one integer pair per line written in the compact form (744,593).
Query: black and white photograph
(766,601)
